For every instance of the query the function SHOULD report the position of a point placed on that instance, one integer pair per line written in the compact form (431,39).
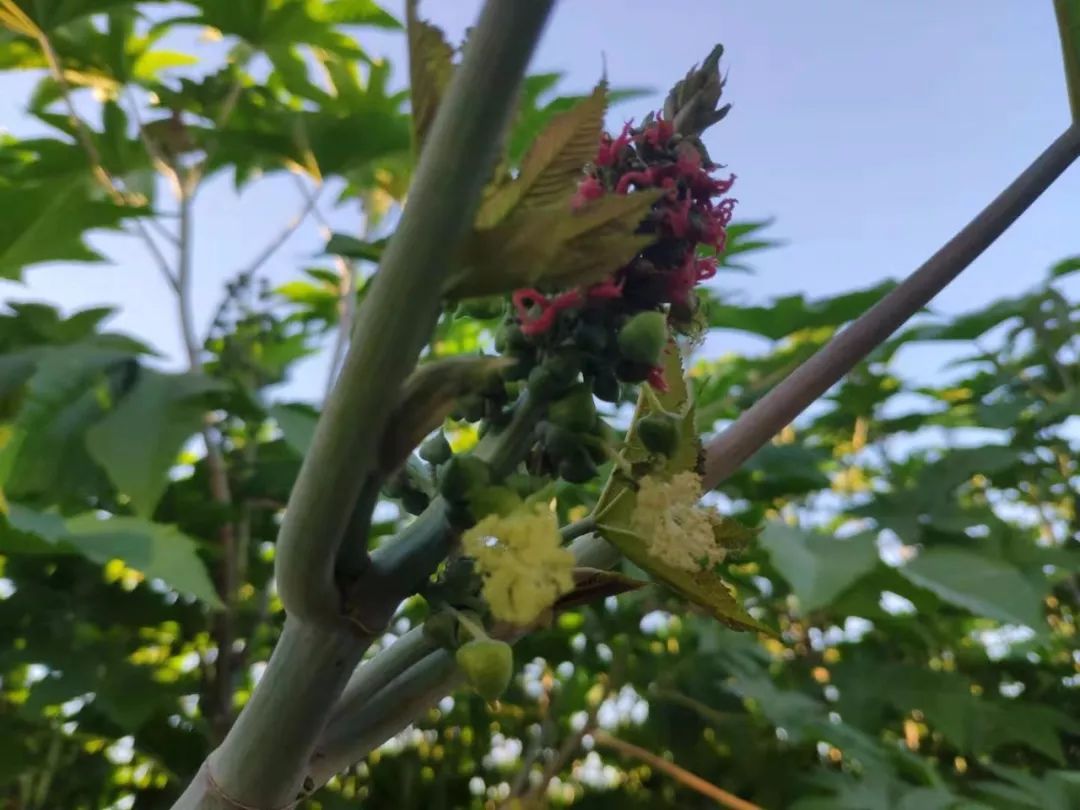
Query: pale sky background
(871,130)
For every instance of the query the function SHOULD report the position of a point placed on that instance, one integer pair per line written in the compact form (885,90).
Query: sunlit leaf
(139,440)
(979,584)
(157,551)
(818,568)
(554,246)
(430,69)
(553,165)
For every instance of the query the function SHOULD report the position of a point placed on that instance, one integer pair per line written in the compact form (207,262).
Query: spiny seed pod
(460,475)
(659,432)
(606,386)
(643,337)
(488,666)
(591,337)
(436,449)
(631,372)
(441,628)
(414,501)
(578,468)
(557,373)
(472,408)
(509,337)
(560,442)
(575,411)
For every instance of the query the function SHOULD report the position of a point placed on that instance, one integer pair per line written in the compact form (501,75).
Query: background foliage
(919,548)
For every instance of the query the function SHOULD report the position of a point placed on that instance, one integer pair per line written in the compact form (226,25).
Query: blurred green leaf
(139,440)
(156,550)
(818,568)
(979,584)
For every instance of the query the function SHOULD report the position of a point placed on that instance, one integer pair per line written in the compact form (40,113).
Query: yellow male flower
(675,528)
(521,558)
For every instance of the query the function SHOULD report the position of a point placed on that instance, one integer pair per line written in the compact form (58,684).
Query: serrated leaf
(62,376)
(48,222)
(1068,19)
(426,399)
(615,507)
(154,549)
(818,568)
(553,165)
(430,69)
(553,246)
(982,585)
(139,440)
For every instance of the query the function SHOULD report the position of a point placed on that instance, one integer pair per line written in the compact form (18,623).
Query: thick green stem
(402,701)
(400,311)
(264,758)
(768,416)
(262,762)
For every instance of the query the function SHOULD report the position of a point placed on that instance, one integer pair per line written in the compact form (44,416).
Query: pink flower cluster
(693,211)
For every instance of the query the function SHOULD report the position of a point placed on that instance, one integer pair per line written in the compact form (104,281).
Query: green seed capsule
(575,411)
(436,449)
(578,468)
(659,432)
(488,666)
(441,628)
(560,442)
(415,501)
(643,337)
(460,475)
(472,408)
(606,386)
(631,372)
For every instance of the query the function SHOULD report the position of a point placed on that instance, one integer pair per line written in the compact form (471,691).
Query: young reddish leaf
(553,245)
(552,167)
(430,68)
(593,584)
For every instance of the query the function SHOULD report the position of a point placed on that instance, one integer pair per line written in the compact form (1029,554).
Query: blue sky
(871,131)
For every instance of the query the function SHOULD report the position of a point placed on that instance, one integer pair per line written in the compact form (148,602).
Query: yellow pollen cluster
(675,528)
(521,558)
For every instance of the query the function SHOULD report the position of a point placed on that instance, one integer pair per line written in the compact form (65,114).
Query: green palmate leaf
(427,397)
(350,247)
(297,424)
(982,585)
(793,313)
(616,505)
(1068,17)
(818,568)
(62,377)
(47,222)
(1065,267)
(154,549)
(139,440)
(25,531)
(553,246)
(53,14)
(150,64)
(430,68)
(553,165)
